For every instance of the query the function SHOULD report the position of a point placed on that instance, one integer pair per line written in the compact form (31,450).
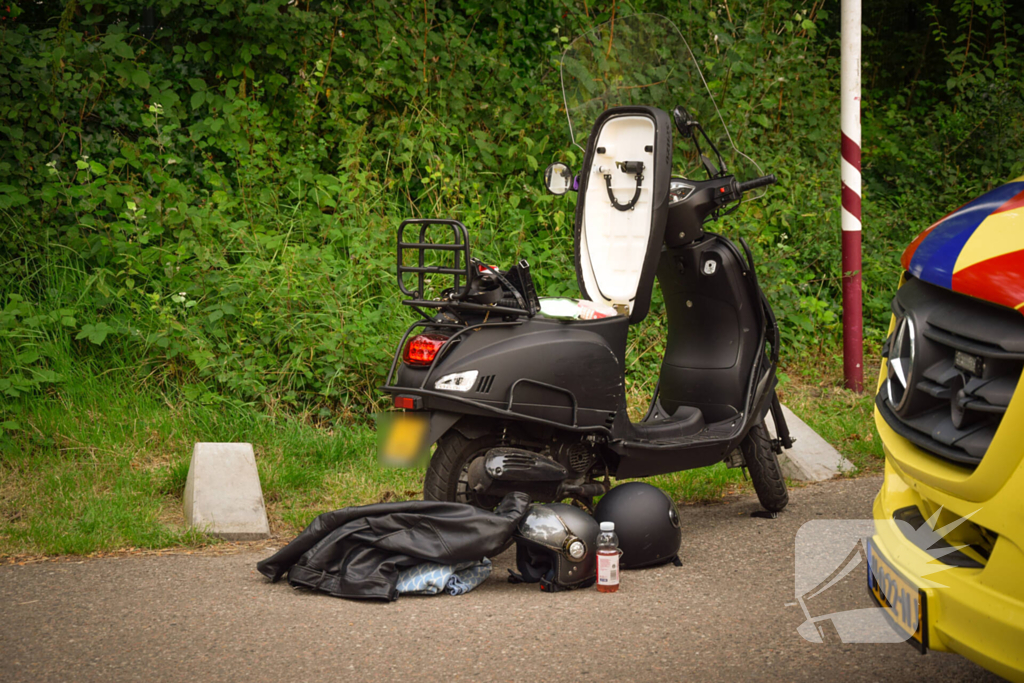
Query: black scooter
(517,398)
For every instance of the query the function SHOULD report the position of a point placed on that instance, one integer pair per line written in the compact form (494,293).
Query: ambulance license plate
(904,603)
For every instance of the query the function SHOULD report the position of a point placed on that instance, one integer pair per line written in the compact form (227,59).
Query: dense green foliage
(208,191)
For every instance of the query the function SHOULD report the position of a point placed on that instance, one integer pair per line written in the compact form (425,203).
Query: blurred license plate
(401,437)
(904,603)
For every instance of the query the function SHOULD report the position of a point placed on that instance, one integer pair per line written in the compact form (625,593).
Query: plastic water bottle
(607,559)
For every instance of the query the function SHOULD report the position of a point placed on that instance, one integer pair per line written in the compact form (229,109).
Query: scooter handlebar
(763,181)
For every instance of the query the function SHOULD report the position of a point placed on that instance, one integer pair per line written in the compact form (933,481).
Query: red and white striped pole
(853,324)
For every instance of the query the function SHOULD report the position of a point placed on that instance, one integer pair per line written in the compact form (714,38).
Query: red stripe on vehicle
(851,202)
(1015,202)
(997,280)
(851,151)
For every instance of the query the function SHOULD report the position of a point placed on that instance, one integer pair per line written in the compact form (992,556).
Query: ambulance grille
(959,361)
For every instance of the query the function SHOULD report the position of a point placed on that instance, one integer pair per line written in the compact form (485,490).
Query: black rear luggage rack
(459,248)
(460,267)
(463,270)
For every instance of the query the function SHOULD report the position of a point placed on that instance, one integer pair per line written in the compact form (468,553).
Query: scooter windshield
(645,60)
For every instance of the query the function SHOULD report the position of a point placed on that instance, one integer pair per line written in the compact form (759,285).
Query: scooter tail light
(422,349)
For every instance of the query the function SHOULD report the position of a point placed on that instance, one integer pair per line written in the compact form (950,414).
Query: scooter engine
(579,456)
(503,470)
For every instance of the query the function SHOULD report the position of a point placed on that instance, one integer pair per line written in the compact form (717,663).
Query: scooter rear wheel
(765,472)
(447,474)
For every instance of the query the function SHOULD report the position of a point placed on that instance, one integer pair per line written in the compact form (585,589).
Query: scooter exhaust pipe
(503,470)
(587,490)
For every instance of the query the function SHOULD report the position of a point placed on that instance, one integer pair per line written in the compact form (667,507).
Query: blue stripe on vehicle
(936,256)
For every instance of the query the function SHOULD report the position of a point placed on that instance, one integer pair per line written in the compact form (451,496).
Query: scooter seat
(622,207)
(686,421)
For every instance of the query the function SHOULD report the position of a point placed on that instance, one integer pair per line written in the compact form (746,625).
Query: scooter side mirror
(558,178)
(684,122)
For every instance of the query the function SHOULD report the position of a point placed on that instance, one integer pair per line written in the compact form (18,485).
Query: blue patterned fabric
(469,578)
(431,578)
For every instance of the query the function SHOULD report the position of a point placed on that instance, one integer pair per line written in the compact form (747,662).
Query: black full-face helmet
(556,546)
(646,522)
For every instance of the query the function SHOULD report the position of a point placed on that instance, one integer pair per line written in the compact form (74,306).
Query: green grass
(100,463)
(813,390)
(703,485)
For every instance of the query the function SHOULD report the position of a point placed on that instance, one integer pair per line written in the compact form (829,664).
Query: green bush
(211,189)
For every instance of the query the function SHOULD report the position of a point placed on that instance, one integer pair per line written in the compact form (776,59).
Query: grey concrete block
(223,496)
(811,458)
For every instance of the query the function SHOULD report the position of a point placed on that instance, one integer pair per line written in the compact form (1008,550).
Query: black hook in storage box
(634,167)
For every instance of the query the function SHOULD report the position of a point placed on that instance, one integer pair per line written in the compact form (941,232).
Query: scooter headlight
(678,191)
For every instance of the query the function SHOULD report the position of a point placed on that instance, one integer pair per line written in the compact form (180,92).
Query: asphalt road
(722,616)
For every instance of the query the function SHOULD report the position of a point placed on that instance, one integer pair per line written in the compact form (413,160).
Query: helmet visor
(541,525)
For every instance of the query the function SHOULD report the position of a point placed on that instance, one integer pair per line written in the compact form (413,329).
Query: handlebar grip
(758,182)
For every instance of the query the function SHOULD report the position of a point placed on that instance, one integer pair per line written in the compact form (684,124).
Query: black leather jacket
(357,552)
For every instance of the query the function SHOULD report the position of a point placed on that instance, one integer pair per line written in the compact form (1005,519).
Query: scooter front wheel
(765,472)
